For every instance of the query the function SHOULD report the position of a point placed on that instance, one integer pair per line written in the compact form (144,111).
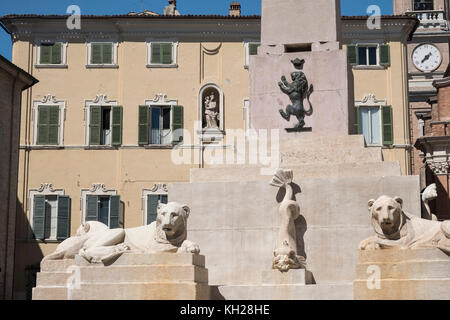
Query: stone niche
(211,113)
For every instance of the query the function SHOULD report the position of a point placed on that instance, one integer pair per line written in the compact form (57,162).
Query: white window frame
(367,45)
(98,189)
(174,63)
(370,101)
(63,63)
(46,189)
(159,189)
(161,100)
(49,100)
(247,52)
(114,64)
(100,100)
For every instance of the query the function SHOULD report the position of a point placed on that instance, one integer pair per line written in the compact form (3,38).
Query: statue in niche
(297,91)
(171,9)
(211,114)
(285,255)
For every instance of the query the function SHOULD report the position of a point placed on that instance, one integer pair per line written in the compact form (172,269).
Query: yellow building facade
(99,129)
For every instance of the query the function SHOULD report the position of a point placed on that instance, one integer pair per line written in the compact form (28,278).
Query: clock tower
(428,58)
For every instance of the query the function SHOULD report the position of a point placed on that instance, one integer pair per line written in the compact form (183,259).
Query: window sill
(157,146)
(45,241)
(46,147)
(108,147)
(162,65)
(102,66)
(369,67)
(51,66)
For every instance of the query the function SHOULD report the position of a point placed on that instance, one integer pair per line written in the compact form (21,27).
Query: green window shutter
(107,51)
(388,126)
(43,125)
(116,125)
(152,205)
(63,228)
(385,55)
(39,217)
(177,124)
(144,114)
(156,53)
(45,54)
(352,54)
(95,125)
(56,53)
(53,125)
(91,207)
(96,53)
(166,49)
(357,128)
(253,49)
(114,212)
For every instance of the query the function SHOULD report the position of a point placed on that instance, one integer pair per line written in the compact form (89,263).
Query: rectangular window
(423,5)
(51,53)
(371,125)
(160,125)
(161,53)
(376,124)
(152,205)
(104,209)
(48,125)
(102,53)
(251,49)
(51,217)
(105,125)
(367,55)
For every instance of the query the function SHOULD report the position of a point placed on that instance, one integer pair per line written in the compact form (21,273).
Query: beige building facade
(98,132)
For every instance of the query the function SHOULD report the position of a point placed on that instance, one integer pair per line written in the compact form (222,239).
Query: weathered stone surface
(411,274)
(169,276)
(335,291)
(292,277)
(239,232)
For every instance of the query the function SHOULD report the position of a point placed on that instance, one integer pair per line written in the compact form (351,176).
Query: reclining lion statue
(96,243)
(395,228)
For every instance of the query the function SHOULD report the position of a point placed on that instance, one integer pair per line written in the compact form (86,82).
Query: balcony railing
(431,18)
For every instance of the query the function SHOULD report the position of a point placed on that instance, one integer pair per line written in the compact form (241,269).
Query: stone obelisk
(310,31)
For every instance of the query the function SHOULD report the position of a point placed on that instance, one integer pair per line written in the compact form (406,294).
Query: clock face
(427,57)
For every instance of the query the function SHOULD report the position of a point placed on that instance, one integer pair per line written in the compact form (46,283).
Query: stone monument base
(308,129)
(291,277)
(162,276)
(420,274)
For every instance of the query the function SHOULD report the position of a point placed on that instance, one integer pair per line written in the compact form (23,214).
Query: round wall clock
(426,57)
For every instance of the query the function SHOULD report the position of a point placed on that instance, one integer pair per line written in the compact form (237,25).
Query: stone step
(331,291)
(337,170)
(148,259)
(400,289)
(56,265)
(330,155)
(45,279)
(49,293)
(154,273)
(397,255)
(142,291)
(406,270)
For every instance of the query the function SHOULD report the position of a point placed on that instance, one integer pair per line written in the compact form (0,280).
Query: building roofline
(129,16)
(28,78)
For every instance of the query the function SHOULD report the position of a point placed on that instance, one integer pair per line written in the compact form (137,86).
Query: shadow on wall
(28,256)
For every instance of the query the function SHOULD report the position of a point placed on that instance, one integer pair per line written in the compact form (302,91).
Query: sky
(249,7)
